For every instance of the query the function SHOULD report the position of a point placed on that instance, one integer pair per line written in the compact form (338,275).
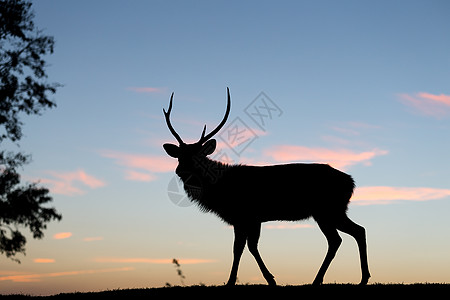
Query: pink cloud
(340,159)
(62,187)
(65,183)
(444,99)
(437,106)
(37,277)
(146,89)
(88,180)
(185,261)
(149,163)
(387,194)
(62,235)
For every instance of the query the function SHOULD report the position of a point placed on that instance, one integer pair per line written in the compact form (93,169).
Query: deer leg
(359,234)
(252,243)
(334,241)
(240,238)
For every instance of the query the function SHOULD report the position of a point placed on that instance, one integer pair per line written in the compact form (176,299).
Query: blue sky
(361,85)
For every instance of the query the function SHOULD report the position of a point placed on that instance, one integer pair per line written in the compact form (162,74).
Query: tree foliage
(20,205)
(23,89)
(22,67)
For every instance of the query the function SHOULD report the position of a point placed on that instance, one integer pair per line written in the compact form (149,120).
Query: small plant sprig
(179,272)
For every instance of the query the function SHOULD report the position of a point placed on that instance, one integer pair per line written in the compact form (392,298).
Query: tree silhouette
(23,89)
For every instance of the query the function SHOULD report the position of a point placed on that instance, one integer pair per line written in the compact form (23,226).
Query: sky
(361,85)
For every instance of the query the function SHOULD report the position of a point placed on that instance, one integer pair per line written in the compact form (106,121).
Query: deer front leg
(240,238)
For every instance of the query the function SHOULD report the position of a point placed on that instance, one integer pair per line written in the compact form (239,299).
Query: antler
(167,115)
(204,138)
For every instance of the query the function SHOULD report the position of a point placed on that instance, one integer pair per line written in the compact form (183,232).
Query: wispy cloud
(138,176)
(388,194)
(37,277)
(146,89)
(141,260)
(68,183)
(353,128)
(340,158)
(43,260)
(437,106)
(62,235)
(135,164)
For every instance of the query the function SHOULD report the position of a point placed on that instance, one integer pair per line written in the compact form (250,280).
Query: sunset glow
(39,277)
(186,261)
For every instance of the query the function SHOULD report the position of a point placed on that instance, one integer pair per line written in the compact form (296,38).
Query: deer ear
(209,147)
(172,150)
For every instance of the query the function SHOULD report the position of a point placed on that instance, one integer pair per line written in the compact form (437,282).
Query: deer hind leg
(240,238)
(359,234)
(252,243)
(334,241)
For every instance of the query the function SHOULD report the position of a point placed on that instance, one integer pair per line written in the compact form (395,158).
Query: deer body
(245,196)
(289,192)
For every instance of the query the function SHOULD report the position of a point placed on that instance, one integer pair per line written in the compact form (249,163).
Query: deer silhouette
(245,196)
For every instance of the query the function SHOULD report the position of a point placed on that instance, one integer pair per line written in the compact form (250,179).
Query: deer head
(189,154)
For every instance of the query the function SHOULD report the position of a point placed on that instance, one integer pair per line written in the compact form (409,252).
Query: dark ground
(328,291)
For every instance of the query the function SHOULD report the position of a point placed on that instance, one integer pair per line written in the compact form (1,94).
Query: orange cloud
(288,226)
(340,159)
(37,277)
(44,260)
(146,89)
(437,106)
(62,235)
(184,261)
(65,183)
(387,194)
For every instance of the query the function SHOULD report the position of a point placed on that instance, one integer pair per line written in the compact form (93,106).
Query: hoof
(271,282)
(317,282)
(364,280)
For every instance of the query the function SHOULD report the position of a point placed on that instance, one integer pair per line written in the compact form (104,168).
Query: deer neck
(205,172)
(209,171)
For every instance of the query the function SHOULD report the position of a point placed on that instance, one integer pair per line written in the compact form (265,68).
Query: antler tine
(203,133)
(167,115)
(224,120)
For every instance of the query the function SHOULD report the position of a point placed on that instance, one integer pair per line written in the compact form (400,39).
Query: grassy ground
(333,291)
